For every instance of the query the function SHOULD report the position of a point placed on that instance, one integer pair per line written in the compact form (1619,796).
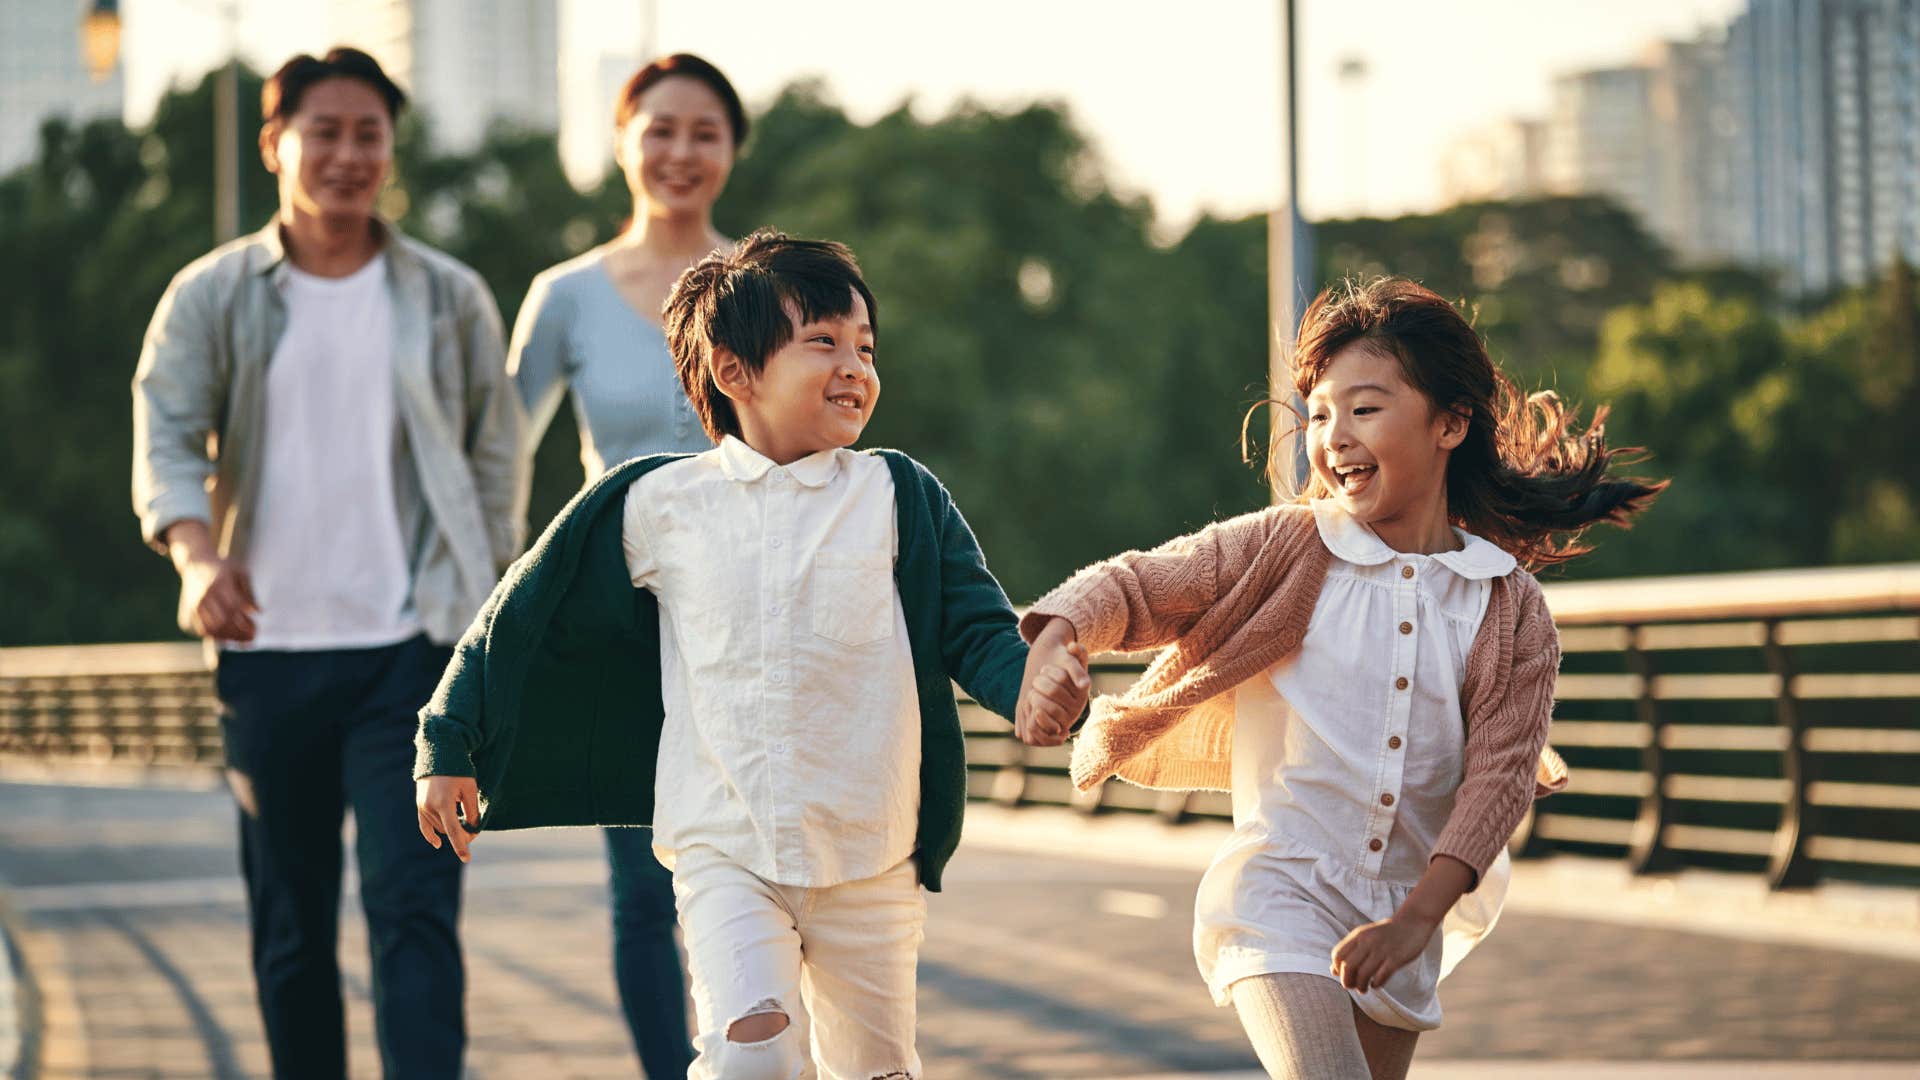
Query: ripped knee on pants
(765,1020)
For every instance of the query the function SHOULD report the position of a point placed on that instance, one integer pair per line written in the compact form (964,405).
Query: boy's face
(815,393)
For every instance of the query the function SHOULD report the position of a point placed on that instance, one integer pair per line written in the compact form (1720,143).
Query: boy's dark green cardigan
(552,701)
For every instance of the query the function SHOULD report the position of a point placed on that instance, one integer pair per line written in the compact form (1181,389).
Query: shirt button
(779,748)
(775,542)
(1393,743)
(1406,628)
(1400,683)
(1387,799)
(1374,845)
(778,676)
(1406,571)
(773,609)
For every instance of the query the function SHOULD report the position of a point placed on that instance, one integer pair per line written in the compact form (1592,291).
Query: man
(327,446)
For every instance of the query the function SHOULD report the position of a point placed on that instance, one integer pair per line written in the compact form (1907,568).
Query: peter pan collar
(1350,540)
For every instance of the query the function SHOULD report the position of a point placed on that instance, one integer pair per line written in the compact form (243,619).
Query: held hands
(448,806)
(1054,688)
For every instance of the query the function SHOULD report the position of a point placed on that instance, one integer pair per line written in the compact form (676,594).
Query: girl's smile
(1379,448)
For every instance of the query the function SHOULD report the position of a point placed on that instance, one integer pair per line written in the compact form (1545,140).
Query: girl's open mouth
(1354,478)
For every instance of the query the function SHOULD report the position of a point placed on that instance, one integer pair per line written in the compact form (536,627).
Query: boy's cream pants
(756,948)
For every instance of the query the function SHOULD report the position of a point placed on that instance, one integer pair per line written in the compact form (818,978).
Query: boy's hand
(440,801)
(1371,954)
(1054,688)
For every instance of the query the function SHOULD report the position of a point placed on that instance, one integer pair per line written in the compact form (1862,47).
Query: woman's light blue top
(577,334)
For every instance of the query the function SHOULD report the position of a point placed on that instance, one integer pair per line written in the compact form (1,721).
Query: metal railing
(1765,721)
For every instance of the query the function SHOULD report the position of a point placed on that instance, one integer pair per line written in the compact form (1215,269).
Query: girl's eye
(1317,418)
(1365,409)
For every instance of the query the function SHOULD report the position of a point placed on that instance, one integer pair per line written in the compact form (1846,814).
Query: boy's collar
(743,464)
(1357,544)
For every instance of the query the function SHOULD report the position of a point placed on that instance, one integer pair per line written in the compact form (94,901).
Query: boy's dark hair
(1524,478)
(280,96)
(748,300)
(688,66)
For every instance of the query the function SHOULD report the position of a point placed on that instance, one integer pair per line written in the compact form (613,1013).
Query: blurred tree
(1078,385)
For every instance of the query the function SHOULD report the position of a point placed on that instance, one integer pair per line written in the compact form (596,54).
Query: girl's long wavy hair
(1523,478)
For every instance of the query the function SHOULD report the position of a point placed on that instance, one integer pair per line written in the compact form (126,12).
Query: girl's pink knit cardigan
(1234,599)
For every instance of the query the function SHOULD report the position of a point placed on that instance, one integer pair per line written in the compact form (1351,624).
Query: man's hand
(1054,688)
(441,802)
(216,591)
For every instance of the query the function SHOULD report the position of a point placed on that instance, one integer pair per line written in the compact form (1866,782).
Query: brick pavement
(1036,965)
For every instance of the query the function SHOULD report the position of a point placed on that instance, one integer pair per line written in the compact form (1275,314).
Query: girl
(591,326)
(1369,669)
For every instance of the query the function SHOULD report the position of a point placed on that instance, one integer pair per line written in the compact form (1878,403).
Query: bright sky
(1182,108)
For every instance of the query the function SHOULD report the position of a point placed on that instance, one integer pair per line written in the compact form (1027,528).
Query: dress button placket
(1404,596)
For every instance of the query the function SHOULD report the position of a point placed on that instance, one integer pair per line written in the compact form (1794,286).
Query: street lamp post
(100,36)
(1289,252)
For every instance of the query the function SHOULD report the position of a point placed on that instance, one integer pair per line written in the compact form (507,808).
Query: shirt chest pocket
(852,596)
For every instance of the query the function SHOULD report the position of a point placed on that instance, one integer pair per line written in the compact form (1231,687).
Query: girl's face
(1375,442)
(677,149)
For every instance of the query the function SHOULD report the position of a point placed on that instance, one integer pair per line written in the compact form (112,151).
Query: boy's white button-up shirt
(792,734)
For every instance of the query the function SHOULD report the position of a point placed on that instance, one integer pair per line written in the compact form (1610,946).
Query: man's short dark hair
(280,97)
(747,301)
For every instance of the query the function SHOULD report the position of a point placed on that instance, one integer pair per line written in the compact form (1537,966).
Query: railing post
(1526,841)
(1173,807)
(1790,867)
(1010,779)
(1648,854)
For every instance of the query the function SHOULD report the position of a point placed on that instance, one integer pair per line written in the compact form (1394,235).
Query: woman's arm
(537,360)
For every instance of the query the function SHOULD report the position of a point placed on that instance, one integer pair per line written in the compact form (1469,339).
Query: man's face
(333,154)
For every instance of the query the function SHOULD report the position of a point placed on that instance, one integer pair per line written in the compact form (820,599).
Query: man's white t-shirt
(328,560)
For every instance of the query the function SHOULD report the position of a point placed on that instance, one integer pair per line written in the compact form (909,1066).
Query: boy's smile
(816,392)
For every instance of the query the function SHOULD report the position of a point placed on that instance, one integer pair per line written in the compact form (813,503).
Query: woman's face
(677,149)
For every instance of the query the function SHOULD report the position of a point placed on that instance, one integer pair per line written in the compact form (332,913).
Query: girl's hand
(1054,688)
(1370,955)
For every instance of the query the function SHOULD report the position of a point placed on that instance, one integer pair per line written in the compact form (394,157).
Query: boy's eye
(1365,409)
(868,349)
(824,339)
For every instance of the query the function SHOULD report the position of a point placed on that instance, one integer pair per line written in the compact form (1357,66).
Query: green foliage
(1079,386)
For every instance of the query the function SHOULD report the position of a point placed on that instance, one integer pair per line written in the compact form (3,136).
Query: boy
(752,649)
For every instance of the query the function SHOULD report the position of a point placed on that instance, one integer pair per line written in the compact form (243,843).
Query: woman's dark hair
(1522,478)
(280,96)
(746,300)
(689,66)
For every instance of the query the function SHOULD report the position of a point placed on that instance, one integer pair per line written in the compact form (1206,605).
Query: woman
(590,329)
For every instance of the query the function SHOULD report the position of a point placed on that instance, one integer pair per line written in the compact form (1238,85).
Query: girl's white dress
(1344,774)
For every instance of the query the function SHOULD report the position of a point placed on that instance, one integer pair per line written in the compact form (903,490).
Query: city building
(43,74)
(467,64)
(1501,160)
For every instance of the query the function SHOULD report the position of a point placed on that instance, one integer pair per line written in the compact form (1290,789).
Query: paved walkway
(126,911)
